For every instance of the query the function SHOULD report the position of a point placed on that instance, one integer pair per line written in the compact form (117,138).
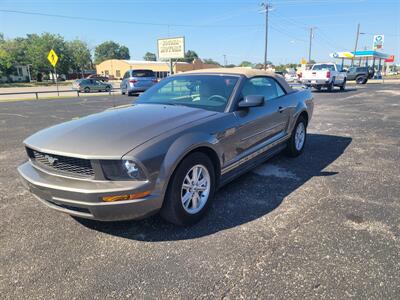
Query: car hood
(113,133)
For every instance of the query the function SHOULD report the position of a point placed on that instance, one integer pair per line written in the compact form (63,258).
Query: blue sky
(214,27)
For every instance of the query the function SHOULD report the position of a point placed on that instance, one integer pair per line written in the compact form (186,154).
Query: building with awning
(366,58)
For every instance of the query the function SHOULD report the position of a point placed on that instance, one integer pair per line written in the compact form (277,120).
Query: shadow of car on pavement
(243,200)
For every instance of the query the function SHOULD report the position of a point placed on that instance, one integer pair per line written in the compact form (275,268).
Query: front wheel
(360,80)
(87,90)
(190,190)
(331,85)
(295,145)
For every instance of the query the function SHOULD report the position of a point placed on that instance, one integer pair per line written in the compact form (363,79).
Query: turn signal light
(126,197)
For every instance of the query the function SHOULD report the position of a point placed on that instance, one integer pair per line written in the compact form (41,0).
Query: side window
(268,87)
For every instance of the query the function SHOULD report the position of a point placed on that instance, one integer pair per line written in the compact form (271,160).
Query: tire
(331,85)
(343,86)
(174,210)
(365,81)
(87,90)
(360,79)
(318,88)
(108,89)
(292,148)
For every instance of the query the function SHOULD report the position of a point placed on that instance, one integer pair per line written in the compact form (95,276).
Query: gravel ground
(323,225)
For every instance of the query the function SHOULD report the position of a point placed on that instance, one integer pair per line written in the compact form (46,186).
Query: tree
(211,61)
(81,58)
(37,49)
(6,62)
(110,50)
(190,55)
(245,63)
(311,62)
(230,66)
(150,56)
(12,52)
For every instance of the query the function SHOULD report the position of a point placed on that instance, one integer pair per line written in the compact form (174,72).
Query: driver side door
(259,126)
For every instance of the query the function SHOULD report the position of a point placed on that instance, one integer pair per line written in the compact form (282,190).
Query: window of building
(106,72)
(118,74)
(19,71)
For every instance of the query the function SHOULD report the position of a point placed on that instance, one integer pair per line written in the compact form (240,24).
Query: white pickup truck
(324,75)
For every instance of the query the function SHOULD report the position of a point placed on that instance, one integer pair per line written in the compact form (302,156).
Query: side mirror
(251,101)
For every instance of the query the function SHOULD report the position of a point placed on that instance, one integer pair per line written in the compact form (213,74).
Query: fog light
(125,197)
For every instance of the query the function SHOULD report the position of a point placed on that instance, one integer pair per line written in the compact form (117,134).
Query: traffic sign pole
(55,74)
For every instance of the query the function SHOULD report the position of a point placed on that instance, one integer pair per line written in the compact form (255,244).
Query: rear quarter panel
(302,101)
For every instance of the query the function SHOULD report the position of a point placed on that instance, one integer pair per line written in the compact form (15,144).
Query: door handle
(281,109)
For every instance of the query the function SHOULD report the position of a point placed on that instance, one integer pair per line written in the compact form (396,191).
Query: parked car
(291,76)
(169,151)
(325,75)
(91,85)
(360,74)
(98,77)
(135,81)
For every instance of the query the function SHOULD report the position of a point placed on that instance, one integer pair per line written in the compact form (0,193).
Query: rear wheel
(343,86)
(318,87)
(295,145)
(108,89)
(190,190)
(87,89)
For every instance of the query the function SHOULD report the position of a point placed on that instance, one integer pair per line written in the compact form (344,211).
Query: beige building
(116,68)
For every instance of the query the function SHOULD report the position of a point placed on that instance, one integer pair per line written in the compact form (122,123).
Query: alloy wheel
(195,189)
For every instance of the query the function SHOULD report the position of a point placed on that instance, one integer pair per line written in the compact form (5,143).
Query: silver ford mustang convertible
(169,151)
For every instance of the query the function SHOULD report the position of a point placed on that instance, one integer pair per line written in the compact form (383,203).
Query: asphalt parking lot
(323,225)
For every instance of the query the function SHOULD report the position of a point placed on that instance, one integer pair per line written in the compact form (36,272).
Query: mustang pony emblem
(52,160)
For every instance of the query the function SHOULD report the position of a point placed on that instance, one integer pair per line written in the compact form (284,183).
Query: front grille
(62,164)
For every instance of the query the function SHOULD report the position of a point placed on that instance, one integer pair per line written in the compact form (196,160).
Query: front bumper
(82,198)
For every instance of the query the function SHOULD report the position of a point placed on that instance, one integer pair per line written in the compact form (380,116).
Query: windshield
(210,92)
(323,67)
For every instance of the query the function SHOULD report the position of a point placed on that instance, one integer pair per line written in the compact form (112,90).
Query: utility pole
(355,47)
(309,47)
(225,63)
(266,6)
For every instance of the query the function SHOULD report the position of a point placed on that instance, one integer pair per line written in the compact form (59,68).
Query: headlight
(131,168)
(122,170)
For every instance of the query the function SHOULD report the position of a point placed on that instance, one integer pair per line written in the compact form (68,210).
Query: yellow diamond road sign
(52,57)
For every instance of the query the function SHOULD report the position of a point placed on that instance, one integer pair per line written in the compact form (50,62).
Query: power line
(121,21)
